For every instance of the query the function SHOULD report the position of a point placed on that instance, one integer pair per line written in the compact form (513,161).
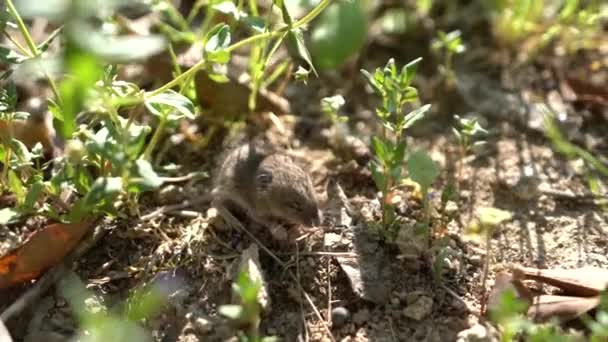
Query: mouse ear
(263,180)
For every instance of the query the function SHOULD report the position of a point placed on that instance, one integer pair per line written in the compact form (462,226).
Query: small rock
(331,239)
(202,325)
(477,333)
(339,316)
(421,308)
(395,301)
(361,316)
(451,208)
(409,242)
(476,259)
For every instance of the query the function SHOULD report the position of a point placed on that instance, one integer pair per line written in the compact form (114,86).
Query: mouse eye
(295,205)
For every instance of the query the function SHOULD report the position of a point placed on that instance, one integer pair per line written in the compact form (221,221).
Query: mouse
(267,185)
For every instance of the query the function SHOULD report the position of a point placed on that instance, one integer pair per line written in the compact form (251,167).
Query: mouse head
(288,191)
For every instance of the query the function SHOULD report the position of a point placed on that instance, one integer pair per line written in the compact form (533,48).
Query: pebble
(339,316)
(420,309)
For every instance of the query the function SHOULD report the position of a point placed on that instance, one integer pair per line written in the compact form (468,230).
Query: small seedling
(246,314)
(487,222)
(468,130)
(447,45)
(331,106)
(98,323)
(395,89)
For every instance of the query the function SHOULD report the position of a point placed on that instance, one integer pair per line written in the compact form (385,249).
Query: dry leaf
(564,308)
(582,282)
(43,249)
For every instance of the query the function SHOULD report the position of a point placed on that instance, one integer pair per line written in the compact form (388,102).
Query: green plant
(447,45)
(576,23)
(593,164)
(487,222)
(98,323)
(330,107)
(110,155)
(468,129)
(510,315)
(395,90)
(247,313)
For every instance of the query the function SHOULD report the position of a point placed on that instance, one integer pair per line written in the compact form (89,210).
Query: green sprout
(447,45)
(466,132)
(246,314)
(395,90)
(331,106)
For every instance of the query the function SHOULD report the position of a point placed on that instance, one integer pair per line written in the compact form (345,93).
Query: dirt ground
(399,298)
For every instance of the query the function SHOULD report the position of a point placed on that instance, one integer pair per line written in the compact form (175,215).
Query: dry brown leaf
(582,282)
(565,308)
(43,249)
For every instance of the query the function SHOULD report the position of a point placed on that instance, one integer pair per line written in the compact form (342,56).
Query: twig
(175,207)
(52,276)
(184,178)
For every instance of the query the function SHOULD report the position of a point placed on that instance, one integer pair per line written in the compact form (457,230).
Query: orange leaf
(43,249)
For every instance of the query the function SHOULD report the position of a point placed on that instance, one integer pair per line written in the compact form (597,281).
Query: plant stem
(22,27)
(34,52)
(266,35)
(155,137)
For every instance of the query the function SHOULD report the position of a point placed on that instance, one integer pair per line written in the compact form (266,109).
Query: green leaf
(371,80)
(415,115)
(422,169)
(231,311)
(257,24)
(301,74)
(284,11)
(149,179)
(24,156)
(35,189)
(297,49)
(47,42)
(9,56)
(16,186)
(378,175)
(84,71)
(103,190)
(399,153)
(8,215)
(449,193)
(338,34)
(228,7)
(382,150)
(218,38)
(162,104)
(409,71)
